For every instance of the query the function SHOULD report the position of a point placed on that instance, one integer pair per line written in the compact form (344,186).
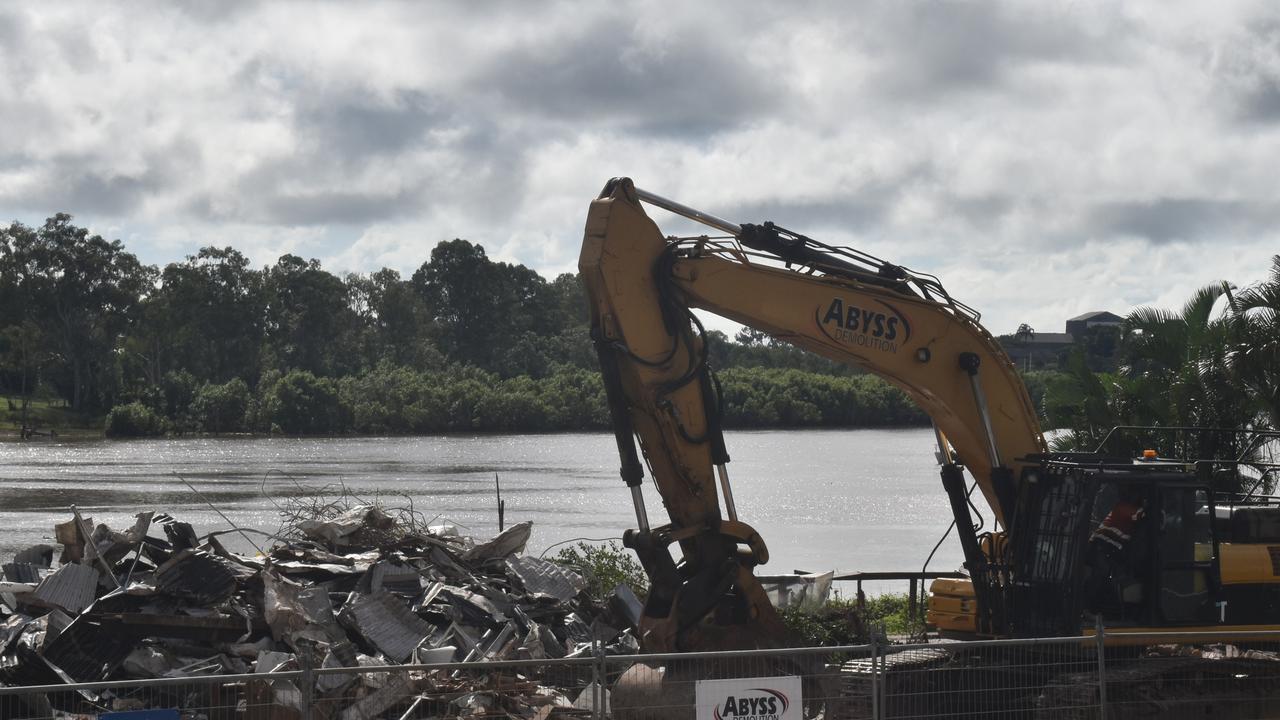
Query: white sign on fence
(763,698)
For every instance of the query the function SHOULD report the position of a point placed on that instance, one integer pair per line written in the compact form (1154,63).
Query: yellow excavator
(1124,538)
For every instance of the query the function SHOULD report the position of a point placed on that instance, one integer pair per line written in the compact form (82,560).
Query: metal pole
(642,515)
(599,672)
(1100,635)
(944,447)
(691,213)
(875,680)
(969,363)
(308,680)
(912,600)
(730,507)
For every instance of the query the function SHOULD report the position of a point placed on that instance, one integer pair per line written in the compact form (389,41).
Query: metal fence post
(307,680)
(598,674)
(1100,636)
(875,679)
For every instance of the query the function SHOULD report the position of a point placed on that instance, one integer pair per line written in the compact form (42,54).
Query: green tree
(84,291)
(394,323)
(481,306)
(206,317)
(309,321)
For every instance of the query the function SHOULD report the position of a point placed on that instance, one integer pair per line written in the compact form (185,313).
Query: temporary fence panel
(1170,676)
(215,697)
(645,687)
(500,689)
(1217,675)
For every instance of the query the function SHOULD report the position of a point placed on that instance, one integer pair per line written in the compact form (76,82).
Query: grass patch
(45,415)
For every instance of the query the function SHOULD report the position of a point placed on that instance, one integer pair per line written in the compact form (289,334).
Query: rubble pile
(354,587)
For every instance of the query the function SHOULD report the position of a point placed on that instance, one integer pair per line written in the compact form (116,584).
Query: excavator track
(1165,682)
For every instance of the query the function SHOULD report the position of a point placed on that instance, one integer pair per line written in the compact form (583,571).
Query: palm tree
(1083,405)
(1023,335)
(1255,355)
(1179,374)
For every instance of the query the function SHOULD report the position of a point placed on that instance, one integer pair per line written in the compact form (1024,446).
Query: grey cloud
(606,76)
(13,31)
(811,217)
(1262,103)
(84,183)
(348,132)
(99,194)
(335,207)
(982,212)
(933,49)
(220,11)
(361,127)
(1172,219)
(1249,73)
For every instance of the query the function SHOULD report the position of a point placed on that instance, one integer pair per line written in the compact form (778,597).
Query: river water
(822,499)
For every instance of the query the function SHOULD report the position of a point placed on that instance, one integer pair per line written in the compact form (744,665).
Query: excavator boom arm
(642,289)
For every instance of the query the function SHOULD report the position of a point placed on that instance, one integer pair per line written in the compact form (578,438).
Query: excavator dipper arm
(643,287)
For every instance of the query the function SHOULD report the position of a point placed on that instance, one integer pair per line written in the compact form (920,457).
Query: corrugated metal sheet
(543,577)
(71,587)
(197,576)
(22,572)
(386,623)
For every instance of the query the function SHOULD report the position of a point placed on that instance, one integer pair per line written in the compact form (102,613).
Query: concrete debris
(508,543)
(806,591)
(353,588)
(339,530)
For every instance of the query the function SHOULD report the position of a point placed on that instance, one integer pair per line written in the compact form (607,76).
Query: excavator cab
(1145,542)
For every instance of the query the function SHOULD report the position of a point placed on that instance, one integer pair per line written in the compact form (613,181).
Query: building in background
(1079,325)
(1096,332)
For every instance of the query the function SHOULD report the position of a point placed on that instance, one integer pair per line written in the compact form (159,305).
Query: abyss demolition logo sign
(766,698)
(879,327)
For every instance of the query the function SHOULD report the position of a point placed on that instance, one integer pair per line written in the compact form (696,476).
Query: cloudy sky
(1043,159)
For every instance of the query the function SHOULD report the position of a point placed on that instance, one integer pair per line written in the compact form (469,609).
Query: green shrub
(605,567)
(300,403)
(835,623)
(765,397)
(134,420)
(840,622)
(221,408)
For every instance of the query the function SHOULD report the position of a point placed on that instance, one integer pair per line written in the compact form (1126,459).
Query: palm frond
(1145,317)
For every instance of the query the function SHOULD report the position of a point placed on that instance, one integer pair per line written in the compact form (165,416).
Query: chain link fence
(1170,676)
